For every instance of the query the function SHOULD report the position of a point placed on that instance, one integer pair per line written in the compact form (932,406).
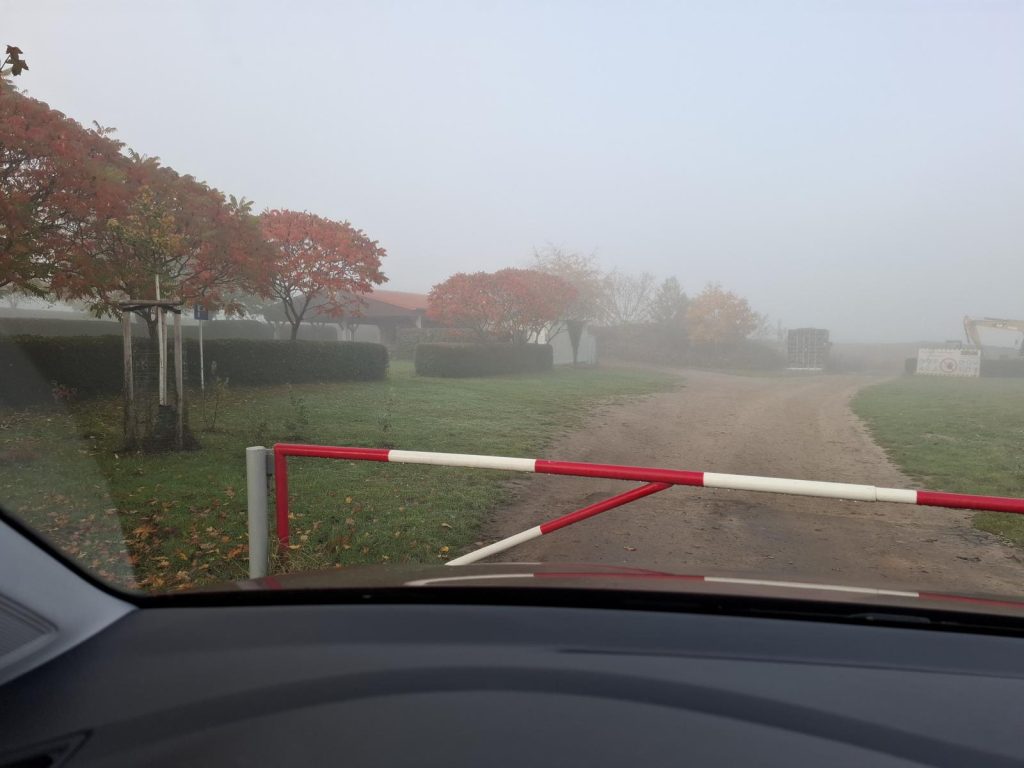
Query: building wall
(587,354)
(369,333)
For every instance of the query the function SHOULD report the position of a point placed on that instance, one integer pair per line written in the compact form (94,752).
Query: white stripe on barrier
(705,579)
(802,585)
(478,577)
(462,460)
(898,495)
(795,487)
(498,546)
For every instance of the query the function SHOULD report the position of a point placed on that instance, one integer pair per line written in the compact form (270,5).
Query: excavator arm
(972,324)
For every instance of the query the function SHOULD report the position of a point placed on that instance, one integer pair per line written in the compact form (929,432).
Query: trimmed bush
(651,343)
(454,360)
(228,329)
(291,362)
(407,339)
(1010,368)
(213,329)
(30,365)
(38,326)
(748,354)
(663,345)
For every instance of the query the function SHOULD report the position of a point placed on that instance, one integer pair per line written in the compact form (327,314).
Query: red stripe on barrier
(657,479)
(281,453)
(620,472)
(968,501)
(602,506)
(967,599)
(281,495)
(332,452)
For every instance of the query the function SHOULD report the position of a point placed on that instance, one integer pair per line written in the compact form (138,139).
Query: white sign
(949,362)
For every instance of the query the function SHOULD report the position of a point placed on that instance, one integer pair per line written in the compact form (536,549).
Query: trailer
(807,349)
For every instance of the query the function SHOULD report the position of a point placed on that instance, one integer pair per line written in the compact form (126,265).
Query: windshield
(723,290)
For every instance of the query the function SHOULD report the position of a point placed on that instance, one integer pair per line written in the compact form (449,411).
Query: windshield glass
(518,258)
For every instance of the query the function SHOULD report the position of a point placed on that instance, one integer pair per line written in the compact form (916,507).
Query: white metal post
(256,495)
(161,340)
(202,368)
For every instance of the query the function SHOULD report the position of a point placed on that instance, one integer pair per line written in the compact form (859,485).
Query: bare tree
(668,307)
(582,273)
(628,298)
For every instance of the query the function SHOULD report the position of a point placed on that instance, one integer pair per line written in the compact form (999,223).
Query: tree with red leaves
(203,248)
(465,300)
(317,258)
(60,182)
(510,305)
(82,220)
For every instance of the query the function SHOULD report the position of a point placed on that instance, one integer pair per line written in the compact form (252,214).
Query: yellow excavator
(973,324)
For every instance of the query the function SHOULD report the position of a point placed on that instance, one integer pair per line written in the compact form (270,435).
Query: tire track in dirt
(784,426)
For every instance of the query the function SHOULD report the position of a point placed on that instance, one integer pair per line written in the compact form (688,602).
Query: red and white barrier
(655,480)
(645,575)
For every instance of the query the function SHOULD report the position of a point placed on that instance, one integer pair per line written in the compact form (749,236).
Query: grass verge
(176,520)
(957,435)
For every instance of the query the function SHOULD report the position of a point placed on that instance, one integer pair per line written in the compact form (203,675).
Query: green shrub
(246,362)
(228,329)
(658,344)
(453,360)
(212,329)
(670,345)
(1002,368)
(30,366)
(39,326)
(93,365)
(407,339)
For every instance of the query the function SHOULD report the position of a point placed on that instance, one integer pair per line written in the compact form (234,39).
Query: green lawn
(183,515)
(959,435)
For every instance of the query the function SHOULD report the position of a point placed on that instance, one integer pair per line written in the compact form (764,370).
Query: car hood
(584,576)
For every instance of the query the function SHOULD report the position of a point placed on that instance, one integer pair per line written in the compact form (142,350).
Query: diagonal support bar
(559,522)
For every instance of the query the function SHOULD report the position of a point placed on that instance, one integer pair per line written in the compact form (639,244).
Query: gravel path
(790,427)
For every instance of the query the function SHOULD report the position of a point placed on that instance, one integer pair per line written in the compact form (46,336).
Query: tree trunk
(295,330)
(575,334)
(152,326)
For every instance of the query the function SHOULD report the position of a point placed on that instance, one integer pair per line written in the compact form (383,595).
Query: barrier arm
(655,480)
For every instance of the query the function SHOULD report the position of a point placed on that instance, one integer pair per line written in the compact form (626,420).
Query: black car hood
(576,576)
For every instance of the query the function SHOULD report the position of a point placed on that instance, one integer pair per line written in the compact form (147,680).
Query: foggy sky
(856,166)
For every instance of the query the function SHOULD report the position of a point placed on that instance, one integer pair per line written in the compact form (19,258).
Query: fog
(854,166)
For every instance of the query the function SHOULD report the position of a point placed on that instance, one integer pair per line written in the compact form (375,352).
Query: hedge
(454,360)
(213,329)
(1002,368)
(38,326)
(407,339)
(92,365)
(31,365)
(293,362)
(663,345)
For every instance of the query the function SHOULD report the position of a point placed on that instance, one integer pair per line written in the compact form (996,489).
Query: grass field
(959,435)
(175,520)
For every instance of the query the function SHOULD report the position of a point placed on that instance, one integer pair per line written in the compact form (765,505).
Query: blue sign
(200,313)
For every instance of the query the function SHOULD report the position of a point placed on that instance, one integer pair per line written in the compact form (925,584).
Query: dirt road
(789,427)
